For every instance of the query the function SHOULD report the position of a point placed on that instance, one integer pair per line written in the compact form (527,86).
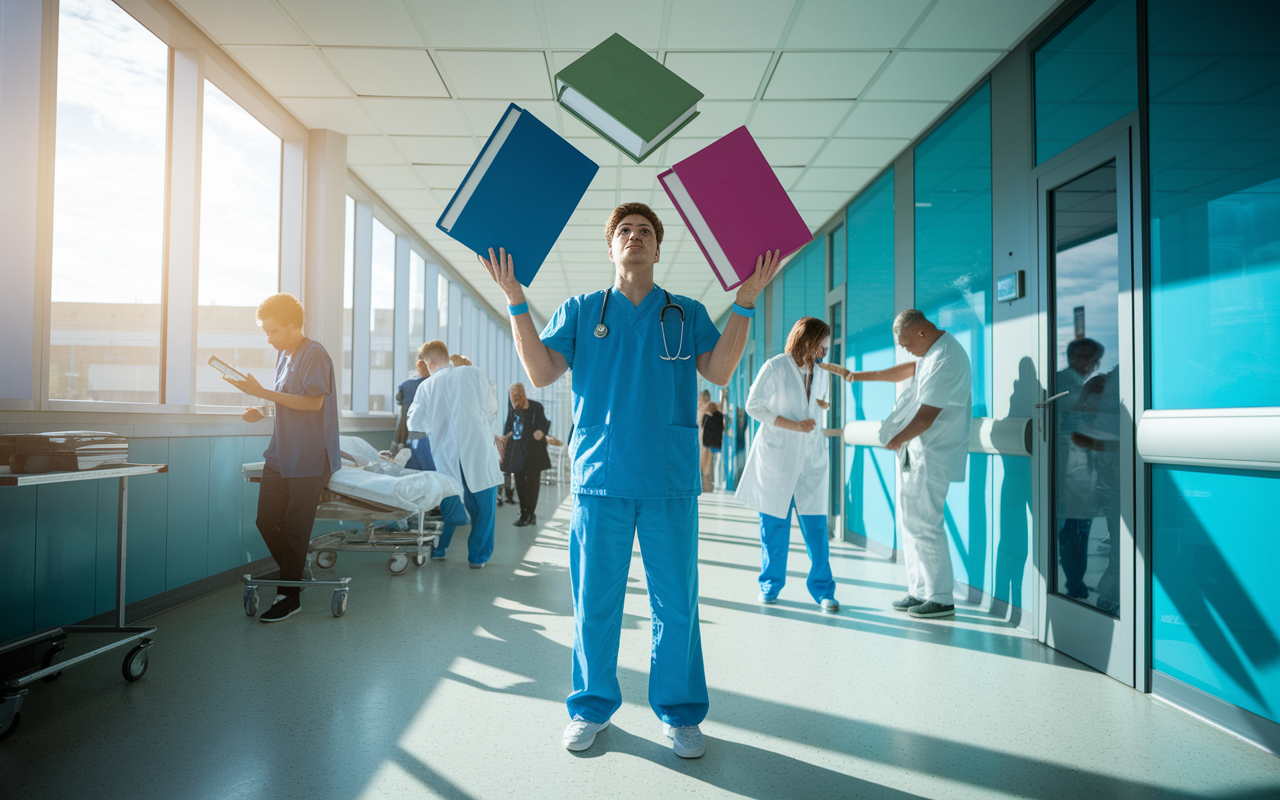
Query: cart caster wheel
(135,664)
(326,559)
(251,601)
(8,730)
(339,602)
(419,559)
(50,657)
(397,564)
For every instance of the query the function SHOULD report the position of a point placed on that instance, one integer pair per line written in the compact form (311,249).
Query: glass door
(1086,461)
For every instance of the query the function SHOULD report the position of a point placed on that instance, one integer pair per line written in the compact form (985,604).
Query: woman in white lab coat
(787,467)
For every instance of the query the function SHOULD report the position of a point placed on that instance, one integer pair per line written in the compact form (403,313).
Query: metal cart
(53,640)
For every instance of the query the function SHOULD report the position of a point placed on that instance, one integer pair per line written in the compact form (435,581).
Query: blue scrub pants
(775,540)
(483,507)
(600,538)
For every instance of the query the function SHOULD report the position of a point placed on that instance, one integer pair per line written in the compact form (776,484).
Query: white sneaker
(687,742)
(580,734)
(829,605)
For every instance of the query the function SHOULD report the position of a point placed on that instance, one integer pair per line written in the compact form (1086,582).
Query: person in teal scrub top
(636,351)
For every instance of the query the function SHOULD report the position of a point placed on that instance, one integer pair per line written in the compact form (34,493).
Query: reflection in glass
(239,245)
(1086,420)
(417,310)
(382,324)
(108,214)
(348,298)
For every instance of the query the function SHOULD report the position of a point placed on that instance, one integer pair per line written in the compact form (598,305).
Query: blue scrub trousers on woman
(775,542)
(601,535)
(482,506)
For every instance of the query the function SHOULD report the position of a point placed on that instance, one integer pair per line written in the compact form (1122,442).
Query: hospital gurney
(373,492)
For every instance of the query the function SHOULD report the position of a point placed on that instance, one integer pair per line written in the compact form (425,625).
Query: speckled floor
(449,682)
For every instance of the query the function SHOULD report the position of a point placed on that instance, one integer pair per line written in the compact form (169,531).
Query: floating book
(519,193)
(734,205)
(627,96)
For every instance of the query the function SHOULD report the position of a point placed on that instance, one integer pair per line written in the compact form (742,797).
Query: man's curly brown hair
(627,209)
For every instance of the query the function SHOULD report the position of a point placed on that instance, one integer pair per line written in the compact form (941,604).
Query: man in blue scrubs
(636,352)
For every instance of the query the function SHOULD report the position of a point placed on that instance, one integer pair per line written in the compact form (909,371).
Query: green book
(628,97)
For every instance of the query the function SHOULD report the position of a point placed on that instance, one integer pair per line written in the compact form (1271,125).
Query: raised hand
(766,269)
(503,271)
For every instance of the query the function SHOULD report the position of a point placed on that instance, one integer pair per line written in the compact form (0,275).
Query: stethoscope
(602,330)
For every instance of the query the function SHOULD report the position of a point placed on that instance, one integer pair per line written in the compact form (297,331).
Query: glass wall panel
(1215,204)
(1086,76)
(417,308)
(109,203)
(442,309)
(239,245)
(837,245)
(953,288)
(348,298)
(869,471)
(1214,576)
(382,316)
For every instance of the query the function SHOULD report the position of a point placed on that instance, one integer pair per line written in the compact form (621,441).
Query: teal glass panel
(869,268)
(1086,76)
(777,317)
(1214,562)
(838,246)
(1215,204)
(794,290)
(815,280)
(953,288)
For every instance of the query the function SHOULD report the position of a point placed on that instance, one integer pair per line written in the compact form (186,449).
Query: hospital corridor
(450,683)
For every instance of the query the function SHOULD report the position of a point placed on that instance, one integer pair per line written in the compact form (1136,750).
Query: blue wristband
(516,311)
(745,312)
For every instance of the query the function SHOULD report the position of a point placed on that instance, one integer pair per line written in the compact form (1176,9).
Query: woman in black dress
(526,455)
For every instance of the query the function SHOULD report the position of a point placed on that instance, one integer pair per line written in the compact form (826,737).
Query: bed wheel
(339,602)
(419,559)
(326,559)
(397,564)
(251,600)
(50,656)
(135,664)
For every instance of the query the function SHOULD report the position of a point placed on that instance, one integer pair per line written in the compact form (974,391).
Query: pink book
(735,206)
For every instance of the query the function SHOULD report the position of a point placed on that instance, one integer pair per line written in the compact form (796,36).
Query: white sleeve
(760,398)
(417,420)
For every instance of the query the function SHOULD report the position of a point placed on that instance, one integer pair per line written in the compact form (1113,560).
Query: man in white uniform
(937,408)
(455,408)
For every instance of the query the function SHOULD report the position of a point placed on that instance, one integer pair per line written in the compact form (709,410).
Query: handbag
(507,459)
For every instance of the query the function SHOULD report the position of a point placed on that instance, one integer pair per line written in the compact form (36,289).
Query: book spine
(662,178)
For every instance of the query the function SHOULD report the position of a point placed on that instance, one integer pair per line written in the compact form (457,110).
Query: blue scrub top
(304,444)
(635,415)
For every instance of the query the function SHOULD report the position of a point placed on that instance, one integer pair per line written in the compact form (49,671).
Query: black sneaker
(932,610)
(520,523)
(906,603)
(283,608)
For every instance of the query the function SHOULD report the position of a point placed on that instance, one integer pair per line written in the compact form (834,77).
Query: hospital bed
(373,492)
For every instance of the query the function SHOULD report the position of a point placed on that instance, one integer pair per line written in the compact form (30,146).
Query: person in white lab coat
(787,466)
(930,428)
(456,407)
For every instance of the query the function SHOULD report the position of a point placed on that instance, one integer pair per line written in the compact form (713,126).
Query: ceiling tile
(496,74)
(979,24)
(681,147)
(341,115)
(289,71)
(703,24)
(444,177)
(413,116)
(915,75)
(903,120)
(854,24)
(789,152)
(387,73)
(716,118)
(721,76)
(815,201)
(596,149)
(822,76)
(603,201)
(580,246)
(437,149)
(489,24)
(638,178)
(583,24)
(371,150)
(787,175)
(374,23)
(241,21)
(837,179)
(389,176)
(485,114)
(410,198)
(420,217)
(860,152)
(816,118)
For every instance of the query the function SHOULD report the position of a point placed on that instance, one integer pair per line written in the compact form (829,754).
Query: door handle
(1050,400)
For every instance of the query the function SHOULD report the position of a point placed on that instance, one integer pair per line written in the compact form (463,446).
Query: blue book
(519,193)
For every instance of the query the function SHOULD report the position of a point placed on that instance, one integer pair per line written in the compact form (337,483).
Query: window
(109,201)
(836,269)
(417,307)
(348,299)
(442,309)
(382,314)
(1086,76)
(239,245)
